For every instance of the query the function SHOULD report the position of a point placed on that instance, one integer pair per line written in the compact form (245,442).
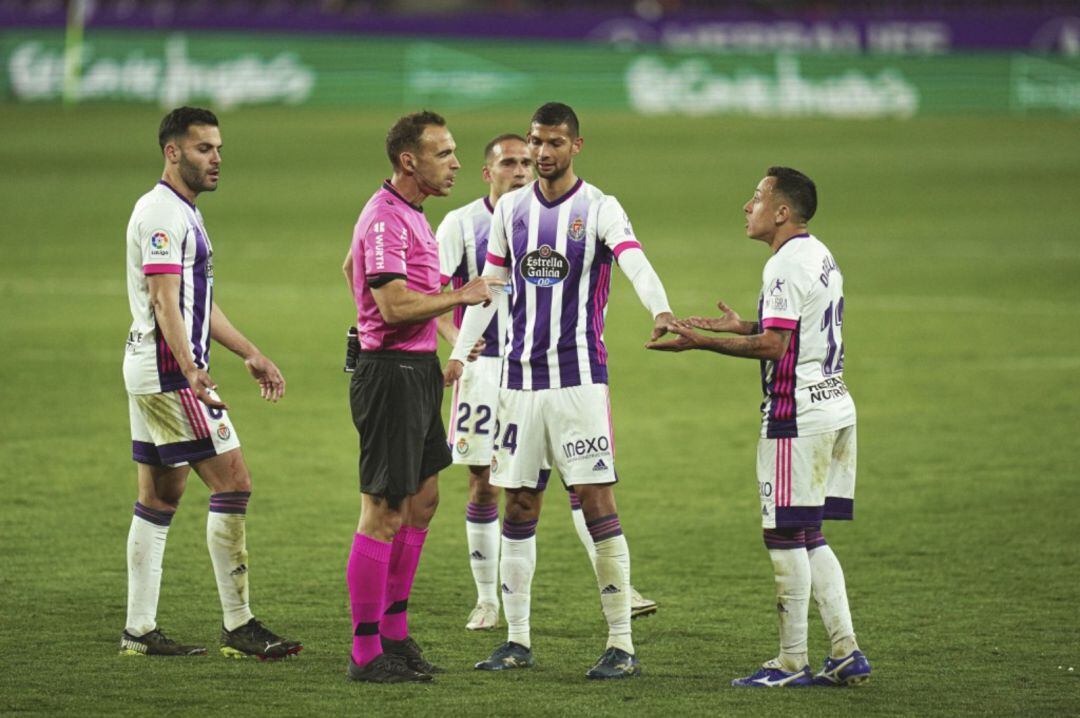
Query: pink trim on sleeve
(496,260)
(623,246)
(444,279)
(148,269)
(778,323)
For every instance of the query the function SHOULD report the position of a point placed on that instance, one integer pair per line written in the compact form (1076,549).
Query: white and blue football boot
(772,675)
(851,670)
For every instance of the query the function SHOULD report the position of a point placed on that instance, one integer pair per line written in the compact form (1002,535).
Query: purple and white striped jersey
(166,236)
(560,256)
(463,243)
(803,290)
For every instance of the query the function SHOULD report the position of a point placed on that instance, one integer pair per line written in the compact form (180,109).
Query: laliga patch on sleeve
(159,244)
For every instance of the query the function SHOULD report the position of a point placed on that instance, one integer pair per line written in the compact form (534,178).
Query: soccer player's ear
(576,147)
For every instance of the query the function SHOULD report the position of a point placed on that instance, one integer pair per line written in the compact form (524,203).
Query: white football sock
(227,540)
(145,552)
(830,592)
(791,568)
(583,534)
(516,567)
(484,540)
(613,578)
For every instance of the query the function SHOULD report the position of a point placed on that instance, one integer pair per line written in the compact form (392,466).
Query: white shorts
(568,428)
(472,412)
(175,428)
(806,479)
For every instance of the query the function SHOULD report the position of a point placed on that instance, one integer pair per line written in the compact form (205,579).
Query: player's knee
(521,506)
(239,477)
(480,490)
(596,501)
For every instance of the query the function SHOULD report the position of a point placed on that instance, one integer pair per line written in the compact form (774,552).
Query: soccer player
(396,394)
(557,238)
(177,419)
(463,238)
(806,453)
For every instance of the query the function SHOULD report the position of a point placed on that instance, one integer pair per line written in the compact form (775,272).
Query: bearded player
(555,240)
(463,239)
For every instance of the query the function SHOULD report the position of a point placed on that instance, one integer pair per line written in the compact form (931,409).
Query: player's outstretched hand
(662,325)
(729,322)
(271,382)
(201,384)
(686,338)
(452,372)
(474,353)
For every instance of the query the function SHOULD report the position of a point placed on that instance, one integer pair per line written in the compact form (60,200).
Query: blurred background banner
(850,61)
(229,70)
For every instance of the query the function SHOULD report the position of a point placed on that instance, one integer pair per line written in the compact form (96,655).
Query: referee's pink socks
(404,558)
(366,575)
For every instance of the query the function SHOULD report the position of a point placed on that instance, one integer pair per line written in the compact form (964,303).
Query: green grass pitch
(959,244)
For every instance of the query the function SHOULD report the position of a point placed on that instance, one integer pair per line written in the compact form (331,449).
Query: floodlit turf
(959,244)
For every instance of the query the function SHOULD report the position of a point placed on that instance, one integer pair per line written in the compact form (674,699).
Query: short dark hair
(799,190)
(404,135)
(176,123)
(501,138)
(554,114)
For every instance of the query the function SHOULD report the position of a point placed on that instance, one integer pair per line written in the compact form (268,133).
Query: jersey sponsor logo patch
(576,230)
(159,244)
(777,288)
(544,267)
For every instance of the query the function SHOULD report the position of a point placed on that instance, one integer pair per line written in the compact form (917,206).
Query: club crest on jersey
(576,230)
(223,431)
(494,465)
(462,446)
(544,267)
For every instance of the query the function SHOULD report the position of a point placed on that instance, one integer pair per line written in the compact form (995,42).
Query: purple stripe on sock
(160,518)
(518,531)
(230,502)
(785,539)
(604,528)
(814,539)
(575,502)
(481,513)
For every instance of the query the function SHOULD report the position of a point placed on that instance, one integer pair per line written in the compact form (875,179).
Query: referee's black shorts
(396,400)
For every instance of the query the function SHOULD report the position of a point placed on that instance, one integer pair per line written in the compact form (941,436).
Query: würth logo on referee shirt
(544,267)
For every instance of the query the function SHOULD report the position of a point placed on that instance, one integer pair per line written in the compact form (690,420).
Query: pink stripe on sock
(404,558)
(366,576)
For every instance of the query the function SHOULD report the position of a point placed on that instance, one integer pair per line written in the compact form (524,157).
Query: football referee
(396,394)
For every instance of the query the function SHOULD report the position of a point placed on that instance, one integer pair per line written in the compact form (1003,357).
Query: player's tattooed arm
(730,322)
(770,345)
(165,299)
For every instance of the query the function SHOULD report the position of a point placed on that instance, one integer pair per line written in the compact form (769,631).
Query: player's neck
(179,186)
(556,188)
(408,188)
(784,234)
